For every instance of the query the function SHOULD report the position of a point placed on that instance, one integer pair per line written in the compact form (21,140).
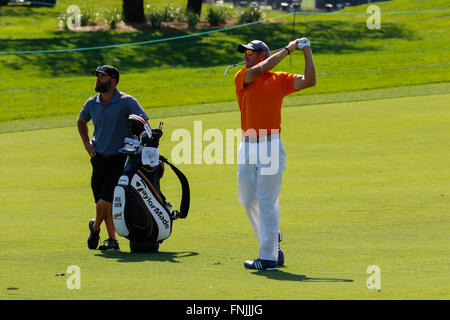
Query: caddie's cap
(256,45)
(108,70)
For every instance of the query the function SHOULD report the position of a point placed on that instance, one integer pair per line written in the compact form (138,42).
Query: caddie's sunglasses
(248,52)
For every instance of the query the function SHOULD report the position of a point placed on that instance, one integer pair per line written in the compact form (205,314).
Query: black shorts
(106,172)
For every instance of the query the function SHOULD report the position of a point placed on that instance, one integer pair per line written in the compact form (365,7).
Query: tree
(320,4)
(195,6)
(133,10)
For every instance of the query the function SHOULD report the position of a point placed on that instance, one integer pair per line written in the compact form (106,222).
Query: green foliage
(112,17)
(250,14)
(217,15)
(170,13)
(88,18)
(156,17)
(192,19)
(62,18)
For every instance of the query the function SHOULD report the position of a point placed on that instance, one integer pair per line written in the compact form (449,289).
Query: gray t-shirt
(110,120)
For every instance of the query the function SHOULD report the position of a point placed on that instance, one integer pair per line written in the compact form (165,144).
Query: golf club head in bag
(140,210)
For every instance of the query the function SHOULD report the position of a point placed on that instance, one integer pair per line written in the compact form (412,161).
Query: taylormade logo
(154,208)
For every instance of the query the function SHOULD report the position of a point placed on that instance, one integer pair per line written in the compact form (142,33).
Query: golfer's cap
(108,70)
(256,45)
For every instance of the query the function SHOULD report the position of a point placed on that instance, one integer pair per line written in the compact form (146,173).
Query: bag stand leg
(144,246)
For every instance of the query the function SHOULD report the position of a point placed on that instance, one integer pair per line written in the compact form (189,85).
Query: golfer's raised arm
(309,78)
(269,63)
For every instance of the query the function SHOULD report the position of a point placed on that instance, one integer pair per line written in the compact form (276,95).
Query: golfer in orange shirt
(261,156)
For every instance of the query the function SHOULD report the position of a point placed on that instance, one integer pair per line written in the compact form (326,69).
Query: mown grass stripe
(227,106)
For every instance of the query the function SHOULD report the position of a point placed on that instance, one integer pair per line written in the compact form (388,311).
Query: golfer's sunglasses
(249,52)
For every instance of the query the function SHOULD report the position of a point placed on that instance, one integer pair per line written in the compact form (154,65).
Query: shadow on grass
(217,49)
(287,276)
(160,256)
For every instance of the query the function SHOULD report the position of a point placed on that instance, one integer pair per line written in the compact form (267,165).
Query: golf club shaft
(242,62)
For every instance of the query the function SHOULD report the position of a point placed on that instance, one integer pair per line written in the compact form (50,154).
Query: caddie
(260,94)
(109,111)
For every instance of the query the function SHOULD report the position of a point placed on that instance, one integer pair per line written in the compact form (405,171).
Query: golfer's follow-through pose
(261,156)
(109,111)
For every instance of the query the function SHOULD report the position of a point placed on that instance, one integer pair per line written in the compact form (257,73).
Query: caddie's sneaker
(260,264)
(94,236)
(110,244)
(280,261)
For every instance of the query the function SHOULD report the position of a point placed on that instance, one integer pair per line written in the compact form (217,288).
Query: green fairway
(366,184)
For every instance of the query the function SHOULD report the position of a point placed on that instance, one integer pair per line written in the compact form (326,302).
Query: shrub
(112,17)
(156,17)
(87,18)
(169,13)
(192,19)
(63,21)
(217,15)
(250,14)
(180,14)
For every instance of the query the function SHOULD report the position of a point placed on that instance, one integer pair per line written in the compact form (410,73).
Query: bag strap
(185,196)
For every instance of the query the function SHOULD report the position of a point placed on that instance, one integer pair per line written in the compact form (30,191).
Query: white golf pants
(260,169)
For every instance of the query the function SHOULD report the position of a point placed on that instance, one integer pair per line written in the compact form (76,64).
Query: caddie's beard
(102,87)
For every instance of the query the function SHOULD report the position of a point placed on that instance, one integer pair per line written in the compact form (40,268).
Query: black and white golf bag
(140,210)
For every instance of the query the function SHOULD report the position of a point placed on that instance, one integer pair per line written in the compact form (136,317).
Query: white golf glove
(303,42)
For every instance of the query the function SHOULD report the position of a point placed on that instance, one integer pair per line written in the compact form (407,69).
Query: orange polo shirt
(260,101)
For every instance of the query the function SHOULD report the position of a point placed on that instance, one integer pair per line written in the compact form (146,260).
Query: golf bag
(140,210)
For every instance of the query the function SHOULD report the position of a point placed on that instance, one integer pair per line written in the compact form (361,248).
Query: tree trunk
(320,4)
(195,6)
(133,10)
